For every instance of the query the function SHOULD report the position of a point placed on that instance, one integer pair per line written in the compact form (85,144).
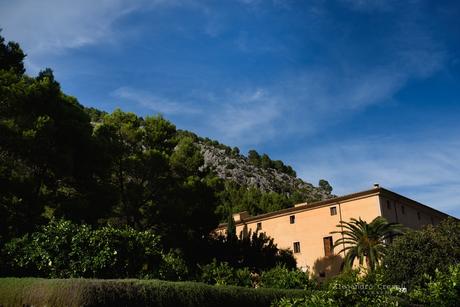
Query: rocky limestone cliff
(235,167)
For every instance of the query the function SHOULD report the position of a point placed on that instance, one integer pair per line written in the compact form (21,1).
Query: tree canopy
(61,160)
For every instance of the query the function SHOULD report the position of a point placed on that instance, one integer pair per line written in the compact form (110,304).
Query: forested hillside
(62,160)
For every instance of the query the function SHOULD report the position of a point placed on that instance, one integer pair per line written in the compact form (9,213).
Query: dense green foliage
(62,250)
(221,273)
(355,289)
(365,241)
(281,277)
(59,159)
(11,57)
(131,292)
(422,252)
(236,198)
(441,290)
(255,251)
(351,288)
(278,277)
(420,268)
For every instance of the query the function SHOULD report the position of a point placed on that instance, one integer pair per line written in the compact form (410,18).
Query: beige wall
(413,216)
(311,226)
(314,222)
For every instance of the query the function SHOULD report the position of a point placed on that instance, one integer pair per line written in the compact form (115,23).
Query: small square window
(418,215)
(333,210)
(296,247)
(259,226)
(403,210)
(388,204)
(292,219)
(322,274)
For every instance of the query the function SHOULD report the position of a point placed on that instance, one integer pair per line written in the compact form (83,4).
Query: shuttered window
(328,246)
(296,247)
(333,210)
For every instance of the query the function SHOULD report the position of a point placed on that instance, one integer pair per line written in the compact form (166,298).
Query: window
(403,210)
(418,215)
(322,274)
(388,204)
(328,246)
(296,247)
(333,210)
(292,219)
(259,226)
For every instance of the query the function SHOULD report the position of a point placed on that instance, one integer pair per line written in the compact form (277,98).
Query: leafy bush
(62,249)
(256,251)
(441,290)
(281,277)
(351,288)
(173,267)
(221,273)
(421,252)
(91,292)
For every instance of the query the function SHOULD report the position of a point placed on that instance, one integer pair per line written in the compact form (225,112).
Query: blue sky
(352,91)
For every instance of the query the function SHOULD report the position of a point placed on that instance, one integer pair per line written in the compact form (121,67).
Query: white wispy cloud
(425,169)
(370,5)
(50,26)
(154,102)
(233,117)
(247,117)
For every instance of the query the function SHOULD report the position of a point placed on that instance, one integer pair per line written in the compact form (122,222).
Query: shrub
(85,292)
(256,251)
(281,277)
(173,267)
(421,252)
(350,288)
(62,249)
(221,273)
(441,290)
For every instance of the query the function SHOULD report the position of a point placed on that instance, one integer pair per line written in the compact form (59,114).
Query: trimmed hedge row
(132,292)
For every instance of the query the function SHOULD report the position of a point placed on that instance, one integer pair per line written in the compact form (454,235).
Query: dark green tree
(254,157)
(420,253)
(11,57)
(325,186)
(231,228)
(49,162)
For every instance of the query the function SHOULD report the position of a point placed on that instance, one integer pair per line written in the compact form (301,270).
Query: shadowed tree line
(121,169)
(60,160)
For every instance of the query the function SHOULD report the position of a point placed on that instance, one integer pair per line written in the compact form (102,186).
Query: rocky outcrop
(235,167)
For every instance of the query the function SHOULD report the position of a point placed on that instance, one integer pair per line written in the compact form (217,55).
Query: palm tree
(364,240)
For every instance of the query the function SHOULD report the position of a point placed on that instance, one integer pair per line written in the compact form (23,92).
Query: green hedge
(131,292)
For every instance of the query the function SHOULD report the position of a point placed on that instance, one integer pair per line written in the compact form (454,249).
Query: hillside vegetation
(60,160)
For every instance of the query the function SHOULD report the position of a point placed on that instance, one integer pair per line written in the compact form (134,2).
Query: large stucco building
(306,228)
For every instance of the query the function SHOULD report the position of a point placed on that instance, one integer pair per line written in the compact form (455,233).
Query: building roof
(377,190)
